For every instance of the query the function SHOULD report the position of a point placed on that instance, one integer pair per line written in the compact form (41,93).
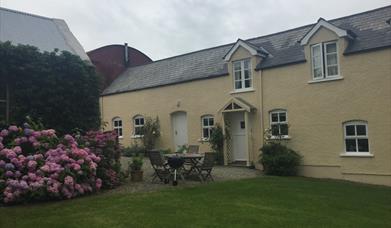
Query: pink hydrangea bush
(37,165)
(106,146)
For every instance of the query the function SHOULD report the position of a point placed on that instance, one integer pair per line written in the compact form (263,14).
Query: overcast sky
(164,28)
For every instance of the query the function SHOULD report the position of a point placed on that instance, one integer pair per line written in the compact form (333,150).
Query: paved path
(220,173)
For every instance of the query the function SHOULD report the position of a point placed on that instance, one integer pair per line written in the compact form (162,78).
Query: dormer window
(242,74)
(324,60)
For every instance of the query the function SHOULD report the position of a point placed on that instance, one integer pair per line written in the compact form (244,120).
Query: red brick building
(112,60)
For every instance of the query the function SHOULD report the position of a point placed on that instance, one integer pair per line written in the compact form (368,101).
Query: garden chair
(160,166)
(192,149)
(204,169)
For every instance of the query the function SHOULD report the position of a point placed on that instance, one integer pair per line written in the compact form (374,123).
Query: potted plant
(136,172)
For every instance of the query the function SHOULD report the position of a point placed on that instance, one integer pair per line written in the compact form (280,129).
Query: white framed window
(324,59)
(242,74)
(117,126)
(279,123)
(356,137)
(138,126)
(207,123)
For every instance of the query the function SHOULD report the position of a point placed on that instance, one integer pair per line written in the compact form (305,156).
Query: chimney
(126,55)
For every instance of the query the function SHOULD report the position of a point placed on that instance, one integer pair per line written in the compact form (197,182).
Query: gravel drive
(219,173)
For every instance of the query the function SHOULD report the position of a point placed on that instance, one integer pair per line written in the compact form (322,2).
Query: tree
(58,88)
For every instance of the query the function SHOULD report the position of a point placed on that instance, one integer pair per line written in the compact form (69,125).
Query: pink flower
(3,133)
(13,128)
(68,180)
(17,149)
(32,164)
(98,183)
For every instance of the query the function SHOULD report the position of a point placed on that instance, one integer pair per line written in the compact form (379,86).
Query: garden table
(192,159)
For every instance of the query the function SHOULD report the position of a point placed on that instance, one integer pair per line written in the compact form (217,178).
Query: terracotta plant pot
(136,175)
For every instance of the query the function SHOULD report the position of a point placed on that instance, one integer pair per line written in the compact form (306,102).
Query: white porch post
(247,130)
(225,149)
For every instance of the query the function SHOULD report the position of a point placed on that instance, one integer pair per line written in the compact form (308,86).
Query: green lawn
(264,201)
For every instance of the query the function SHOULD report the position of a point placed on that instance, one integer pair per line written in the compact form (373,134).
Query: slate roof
(370,28)
(41,32)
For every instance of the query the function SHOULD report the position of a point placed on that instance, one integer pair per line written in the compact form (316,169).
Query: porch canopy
(237,104)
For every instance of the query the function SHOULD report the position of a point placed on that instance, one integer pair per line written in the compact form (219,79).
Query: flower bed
(38,165)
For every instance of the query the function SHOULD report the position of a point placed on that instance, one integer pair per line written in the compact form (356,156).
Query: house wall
(316,111)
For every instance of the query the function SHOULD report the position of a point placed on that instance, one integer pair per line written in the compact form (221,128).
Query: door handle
(176,132)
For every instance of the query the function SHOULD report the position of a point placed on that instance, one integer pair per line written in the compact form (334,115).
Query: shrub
(216,142)
(37,165)
(151,132)
(278,159)
(133,150)
(43,83)
(107,148)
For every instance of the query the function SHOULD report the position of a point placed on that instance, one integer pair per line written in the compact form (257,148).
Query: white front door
(238,136)
(179,128)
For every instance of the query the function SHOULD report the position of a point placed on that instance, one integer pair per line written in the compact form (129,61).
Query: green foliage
(165,151)
(278,159)
(132,150)
(137,162)
(216,142)
(58,88)
(182,149)
(151,132)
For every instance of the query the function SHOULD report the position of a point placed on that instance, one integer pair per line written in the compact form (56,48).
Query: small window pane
(238,75)
(246,74)
(137,121)
(275,130)
(238,85)
(331,48)
(350,130)
(282,116)
(284,129)
(115,123)
(350,145)
(246,64)
(242,125)
(205,133)
(211,122)
(141,121)
(229,107)
(318,73)
(331,59)
(205,122)
(363,145)
(237,66)
(247,83)
(274,117)
(333,70)
(361,130)
(236,106)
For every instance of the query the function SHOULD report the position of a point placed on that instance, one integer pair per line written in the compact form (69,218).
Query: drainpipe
(126,55)
(7,104)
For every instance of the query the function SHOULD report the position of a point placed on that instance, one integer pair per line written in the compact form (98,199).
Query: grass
(264,201)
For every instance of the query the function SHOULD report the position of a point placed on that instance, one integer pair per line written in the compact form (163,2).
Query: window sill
(242,90)
(136,136)
(284,137)
(357,154)
(335,78)
(120,137)
(203,140)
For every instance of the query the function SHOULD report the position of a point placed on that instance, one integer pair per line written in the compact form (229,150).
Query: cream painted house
(330,82)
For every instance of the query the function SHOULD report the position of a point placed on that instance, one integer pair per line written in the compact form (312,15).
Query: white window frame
(325,59)
(321,61)
(323,53)
(356,137)
(136,126)
(278,111)
(242,79)
(209,127)
(118,129)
